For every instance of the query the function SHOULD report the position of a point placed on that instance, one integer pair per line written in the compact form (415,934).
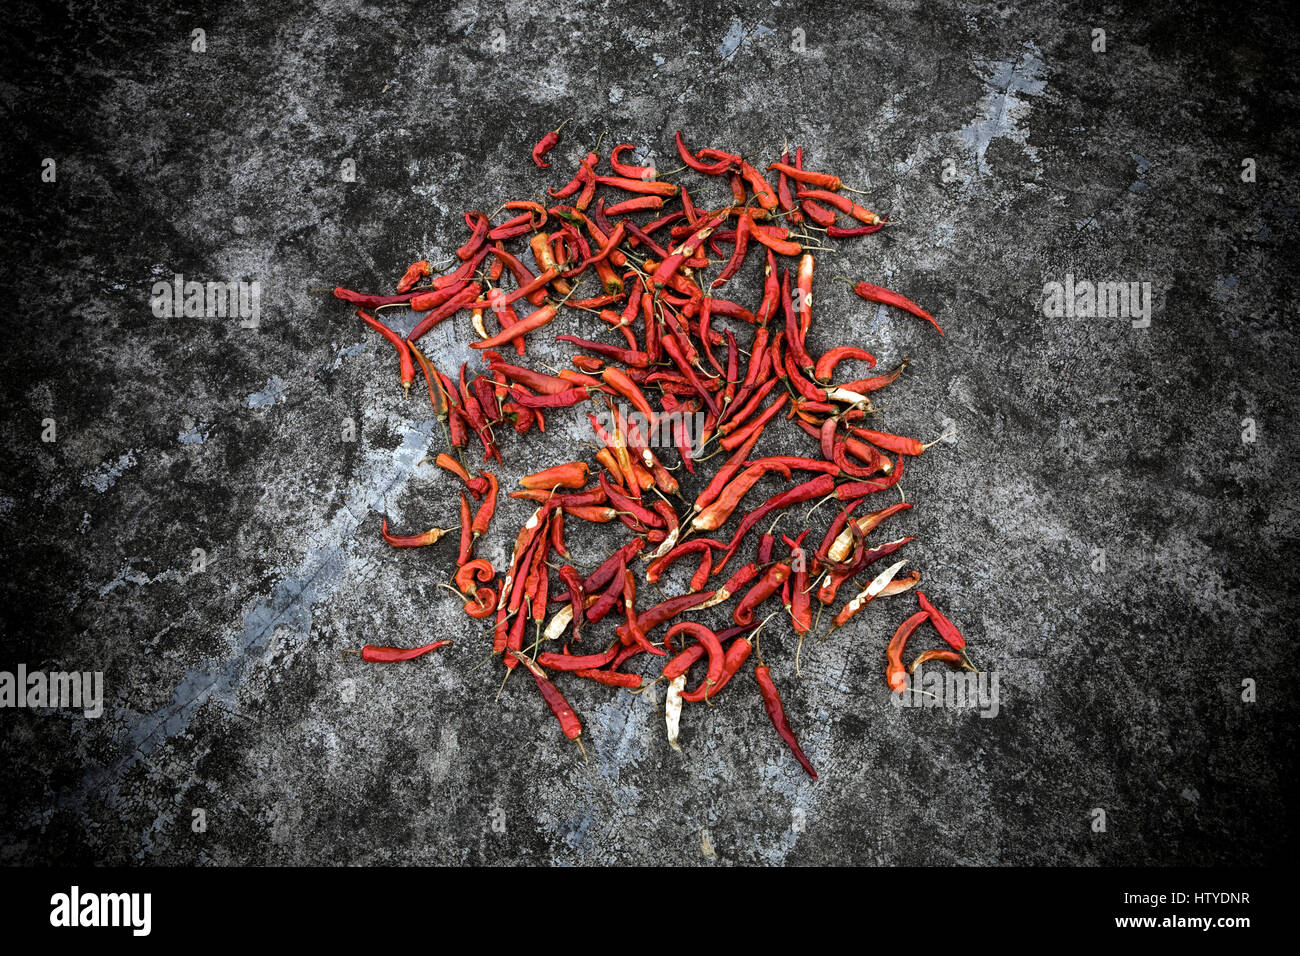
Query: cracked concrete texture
(1012,153)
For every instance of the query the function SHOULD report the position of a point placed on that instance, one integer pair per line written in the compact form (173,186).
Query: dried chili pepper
(545,145)
(776,713)
(388,654)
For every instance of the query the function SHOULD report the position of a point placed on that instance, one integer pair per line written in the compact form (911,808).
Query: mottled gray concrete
(1120,689)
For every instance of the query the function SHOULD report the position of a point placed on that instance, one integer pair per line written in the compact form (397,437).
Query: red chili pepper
(473,573)
(839,232)
(776,712)
(385,655)
(894,670)
(583,175)
(690,160)
(876,293)
(432,536)
(483,517)
(820,180)
(825,368)
(569,475)
(768,585)
(414,273)
(739,437)
(843,204)
(612,678)
(407,375)
(545,145)
(947,630)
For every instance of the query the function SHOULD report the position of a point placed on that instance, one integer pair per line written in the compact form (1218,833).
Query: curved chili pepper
(825,367)
(668,609)
(545,145)
(839,549)
(951,658)
(706,639)
(473,573)
(704,546)
(690,160)
(407,370)
(894,670)
(584,173)
(477,486)
(766,586)
(414,273)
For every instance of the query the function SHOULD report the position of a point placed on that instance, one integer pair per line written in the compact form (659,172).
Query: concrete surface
(1120,688)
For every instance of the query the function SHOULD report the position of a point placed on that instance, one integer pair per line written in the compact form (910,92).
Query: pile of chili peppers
(630,252)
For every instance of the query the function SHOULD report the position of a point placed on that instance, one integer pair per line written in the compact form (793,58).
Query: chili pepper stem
(951,433)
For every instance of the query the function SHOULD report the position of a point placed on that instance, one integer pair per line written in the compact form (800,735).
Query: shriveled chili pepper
(800,606)
(843,543)
(947,630)
(776,713)
(689,158)
(569,723)
(412,276)
(867,594)
(703,546)
(477,486)
(755,427)
(466,550)
(388,654)
(460,300)
(545,145)
(584,173)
